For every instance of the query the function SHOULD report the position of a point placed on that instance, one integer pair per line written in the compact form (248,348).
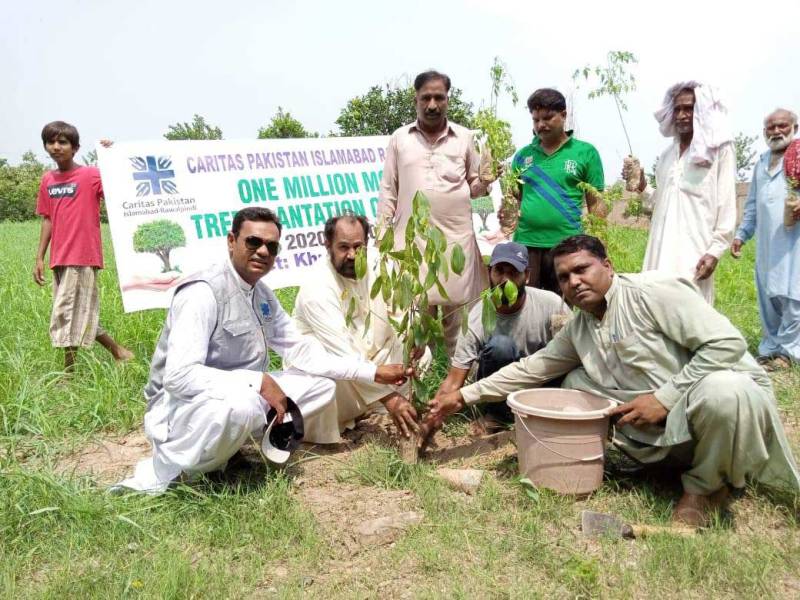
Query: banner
(171,203)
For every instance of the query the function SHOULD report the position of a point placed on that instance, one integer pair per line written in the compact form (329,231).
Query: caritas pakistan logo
(154,175)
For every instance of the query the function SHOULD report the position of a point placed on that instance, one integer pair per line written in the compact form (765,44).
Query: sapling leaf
(464,319)
(376,287)
(367,322)
(361,263)
(510,291)
(497,296)
(445,270)
(410,232)
(488,315)
(457,259)
(441,290)
(401,328)
(430,279)
(351,311)
(387,242)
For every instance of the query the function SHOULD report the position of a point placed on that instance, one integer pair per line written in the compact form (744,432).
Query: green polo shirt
(552,202)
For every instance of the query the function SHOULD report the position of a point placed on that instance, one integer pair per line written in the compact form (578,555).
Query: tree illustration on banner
(483,207)
(160,238)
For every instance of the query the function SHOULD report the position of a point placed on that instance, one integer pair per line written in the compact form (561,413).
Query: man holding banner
(438,158)
(209,389)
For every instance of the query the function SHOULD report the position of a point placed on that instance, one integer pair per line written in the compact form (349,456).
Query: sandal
(778,363)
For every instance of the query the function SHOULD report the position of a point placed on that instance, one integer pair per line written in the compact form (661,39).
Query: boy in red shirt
(69,203)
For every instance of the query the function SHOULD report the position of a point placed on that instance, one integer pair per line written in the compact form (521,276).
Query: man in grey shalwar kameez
(680,371)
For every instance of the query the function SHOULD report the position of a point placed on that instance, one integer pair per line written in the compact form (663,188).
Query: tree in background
(385,108)
(743,146)
(651,176)
(198,129)
(19,187)
(159,237)
(284,125)
(90,158)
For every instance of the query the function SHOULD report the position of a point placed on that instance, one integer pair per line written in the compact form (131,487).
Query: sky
(127,70)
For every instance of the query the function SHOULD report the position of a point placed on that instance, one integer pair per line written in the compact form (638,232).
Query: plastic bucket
(561,438)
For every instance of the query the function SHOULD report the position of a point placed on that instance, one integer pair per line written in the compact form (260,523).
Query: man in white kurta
(209,387)
(320,311)
(694,202)
(777,249)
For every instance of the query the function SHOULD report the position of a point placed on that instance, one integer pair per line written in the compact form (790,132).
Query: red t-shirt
(71,201)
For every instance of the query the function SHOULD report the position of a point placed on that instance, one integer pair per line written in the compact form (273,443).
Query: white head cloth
(711,127)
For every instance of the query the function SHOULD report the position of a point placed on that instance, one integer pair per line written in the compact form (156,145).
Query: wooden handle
(646,530)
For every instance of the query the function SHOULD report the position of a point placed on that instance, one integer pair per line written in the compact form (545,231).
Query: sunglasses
(253,243)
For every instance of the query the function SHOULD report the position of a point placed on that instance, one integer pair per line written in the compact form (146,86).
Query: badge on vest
(265,310)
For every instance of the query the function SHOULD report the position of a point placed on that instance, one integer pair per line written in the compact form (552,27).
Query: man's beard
(779,142)
(347,269)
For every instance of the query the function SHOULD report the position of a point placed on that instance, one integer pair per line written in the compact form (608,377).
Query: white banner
(171,203)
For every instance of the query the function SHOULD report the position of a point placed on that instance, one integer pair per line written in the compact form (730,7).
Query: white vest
(239,340)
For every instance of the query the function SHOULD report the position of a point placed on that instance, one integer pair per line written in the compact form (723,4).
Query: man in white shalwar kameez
(209,388)
(694,203)
(320,310)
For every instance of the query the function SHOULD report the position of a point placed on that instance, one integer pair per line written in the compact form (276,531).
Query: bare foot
(123,355)
(696,511)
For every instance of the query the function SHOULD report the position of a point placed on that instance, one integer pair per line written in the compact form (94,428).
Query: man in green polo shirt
(551,168)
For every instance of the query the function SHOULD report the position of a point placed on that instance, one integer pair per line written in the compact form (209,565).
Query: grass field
(264,534)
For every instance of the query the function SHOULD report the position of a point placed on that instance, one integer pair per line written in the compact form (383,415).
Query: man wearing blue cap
(522,328)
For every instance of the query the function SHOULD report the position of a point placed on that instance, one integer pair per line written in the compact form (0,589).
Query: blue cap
(511,253)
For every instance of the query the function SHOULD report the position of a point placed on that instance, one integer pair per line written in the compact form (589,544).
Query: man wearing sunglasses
(210,386)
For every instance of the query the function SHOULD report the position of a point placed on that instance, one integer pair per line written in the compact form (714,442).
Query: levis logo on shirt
(62,190)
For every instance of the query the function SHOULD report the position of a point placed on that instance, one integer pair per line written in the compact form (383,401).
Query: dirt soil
(107,460)
(363,522)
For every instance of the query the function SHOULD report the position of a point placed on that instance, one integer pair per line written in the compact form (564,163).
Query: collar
(448,129)
(537,142)
(612,290)
(609,298)
(765,160)
(243,285)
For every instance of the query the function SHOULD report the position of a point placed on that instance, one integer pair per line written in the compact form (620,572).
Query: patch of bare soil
(471,452)
(617,215)
(107,460)
(354,517)
(464,451)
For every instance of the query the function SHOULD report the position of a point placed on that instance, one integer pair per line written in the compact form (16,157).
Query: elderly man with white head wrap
(694,203)
(777,244)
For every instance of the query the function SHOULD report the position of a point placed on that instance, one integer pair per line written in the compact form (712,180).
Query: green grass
(61,535)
